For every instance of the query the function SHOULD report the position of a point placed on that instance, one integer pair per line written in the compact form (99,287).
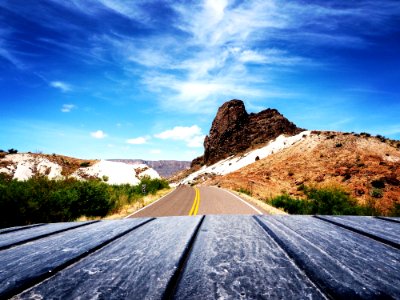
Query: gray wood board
(386,232)
(391,219)
(24,265)
(19,237)
(138,265)
(234,258)
(343,263)
(16,228)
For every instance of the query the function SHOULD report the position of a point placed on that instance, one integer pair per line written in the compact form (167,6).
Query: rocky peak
(234,130)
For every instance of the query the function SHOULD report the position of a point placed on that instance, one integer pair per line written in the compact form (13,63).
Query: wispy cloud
(201,53)
(138,141)
(99,134)
(235,38)
(191,135)
(62,86)
(67,107)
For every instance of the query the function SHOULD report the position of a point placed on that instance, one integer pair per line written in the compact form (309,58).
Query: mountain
(279,158)
(23,166)
(234,130)
(165,168)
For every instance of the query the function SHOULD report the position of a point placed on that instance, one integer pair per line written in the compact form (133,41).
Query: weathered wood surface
(383,231)
(19,236)
(16,228)
(233,258)
(342,263)
(229,257)
(25,265)
(137,266)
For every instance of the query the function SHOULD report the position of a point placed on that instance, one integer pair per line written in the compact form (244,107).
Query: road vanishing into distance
(203,200)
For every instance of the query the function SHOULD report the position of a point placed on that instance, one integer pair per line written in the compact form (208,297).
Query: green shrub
(290,204)
(40,200)
(244,191)
(85,164)
(324,201)
(377,193)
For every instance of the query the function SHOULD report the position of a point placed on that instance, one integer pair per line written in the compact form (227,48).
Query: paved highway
(203,200)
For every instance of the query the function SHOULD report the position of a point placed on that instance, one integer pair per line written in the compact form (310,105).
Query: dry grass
(69,164)
(131,208)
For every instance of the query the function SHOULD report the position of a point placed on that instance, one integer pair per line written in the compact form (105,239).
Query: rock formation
(234,130)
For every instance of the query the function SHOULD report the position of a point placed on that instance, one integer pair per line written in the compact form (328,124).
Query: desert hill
(365,167)
(288,160)
(23,166)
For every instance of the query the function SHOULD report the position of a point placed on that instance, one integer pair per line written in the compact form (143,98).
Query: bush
(40,200)
(12,151)
(378,183)
(366,134)
(244,191)
(325,201)
(85,164)
(377,193)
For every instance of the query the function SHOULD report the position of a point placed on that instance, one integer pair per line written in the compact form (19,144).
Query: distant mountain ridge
(165,168)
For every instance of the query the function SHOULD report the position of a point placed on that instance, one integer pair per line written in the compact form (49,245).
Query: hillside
(366,167)
(166,168)
(23,166)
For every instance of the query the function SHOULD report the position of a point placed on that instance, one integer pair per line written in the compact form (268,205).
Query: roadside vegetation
(323,201)
(40,200)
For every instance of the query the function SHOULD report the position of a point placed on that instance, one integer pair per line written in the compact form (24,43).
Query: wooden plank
(16,228)
(234,258)
(344,264)
(14,238)
(383,231)
(25,265)
(137,266)
(390,219)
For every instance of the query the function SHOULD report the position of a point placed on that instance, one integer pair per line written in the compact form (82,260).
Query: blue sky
(144,79)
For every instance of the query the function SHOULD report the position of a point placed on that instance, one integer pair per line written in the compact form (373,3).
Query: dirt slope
(367,167)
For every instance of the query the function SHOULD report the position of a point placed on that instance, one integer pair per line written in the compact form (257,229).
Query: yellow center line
(196,203)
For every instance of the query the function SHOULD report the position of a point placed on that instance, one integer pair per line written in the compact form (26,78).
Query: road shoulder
(259,204)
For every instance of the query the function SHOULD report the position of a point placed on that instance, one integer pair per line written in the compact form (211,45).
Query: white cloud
(99,134)
(64,87)
(179,133)
(67,107)
(191,135)
(137,141)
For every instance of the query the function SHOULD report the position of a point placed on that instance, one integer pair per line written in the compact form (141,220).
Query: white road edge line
(245,202)
(149,204)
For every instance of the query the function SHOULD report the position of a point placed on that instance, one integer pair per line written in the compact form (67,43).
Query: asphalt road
(203,200)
